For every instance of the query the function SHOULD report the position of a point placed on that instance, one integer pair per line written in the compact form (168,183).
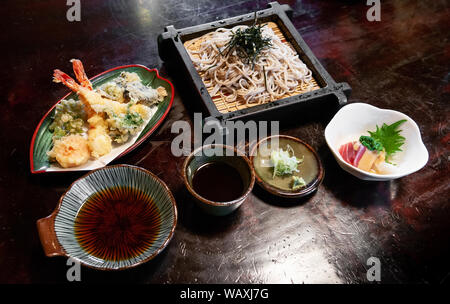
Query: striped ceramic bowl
(113,218)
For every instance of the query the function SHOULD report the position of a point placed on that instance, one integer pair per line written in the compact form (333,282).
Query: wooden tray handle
(47,234)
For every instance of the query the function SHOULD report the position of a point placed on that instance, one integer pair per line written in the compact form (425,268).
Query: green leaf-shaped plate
(42,137)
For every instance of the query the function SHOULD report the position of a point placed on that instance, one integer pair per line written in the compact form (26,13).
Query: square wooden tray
(172,50)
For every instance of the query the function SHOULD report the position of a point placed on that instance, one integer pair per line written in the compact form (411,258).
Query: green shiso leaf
(389,137)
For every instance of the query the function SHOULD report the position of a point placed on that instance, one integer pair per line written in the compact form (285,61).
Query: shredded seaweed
(248,43)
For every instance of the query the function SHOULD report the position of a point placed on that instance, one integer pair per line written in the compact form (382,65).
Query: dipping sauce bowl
(113,218)
(219,177)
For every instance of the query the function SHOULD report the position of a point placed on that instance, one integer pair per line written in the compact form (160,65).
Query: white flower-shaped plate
(354,120)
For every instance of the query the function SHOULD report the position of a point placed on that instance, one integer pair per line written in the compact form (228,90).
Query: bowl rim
(188,160)
(283,193)
(370,175)
(62,252)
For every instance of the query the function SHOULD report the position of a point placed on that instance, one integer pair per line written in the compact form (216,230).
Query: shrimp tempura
(99,141)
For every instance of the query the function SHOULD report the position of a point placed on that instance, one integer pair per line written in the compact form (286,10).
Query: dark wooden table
(401,63)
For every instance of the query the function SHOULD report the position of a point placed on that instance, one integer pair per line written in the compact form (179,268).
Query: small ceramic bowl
(150,220)
(311,169)
(228,155)
(356,119)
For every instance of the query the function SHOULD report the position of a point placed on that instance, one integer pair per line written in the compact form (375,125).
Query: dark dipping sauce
(218,182)
(117,224)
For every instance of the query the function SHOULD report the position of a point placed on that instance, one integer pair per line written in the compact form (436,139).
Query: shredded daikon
(283,162)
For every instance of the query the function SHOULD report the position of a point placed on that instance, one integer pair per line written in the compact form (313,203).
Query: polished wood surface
(401,63)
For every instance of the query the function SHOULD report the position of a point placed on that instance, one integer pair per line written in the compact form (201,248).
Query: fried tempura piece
(140,109)
(161,93)
(98,139)
(70,151)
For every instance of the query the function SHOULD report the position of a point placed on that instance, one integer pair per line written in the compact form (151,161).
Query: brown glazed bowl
(311,169)
(58,234)
(236,159)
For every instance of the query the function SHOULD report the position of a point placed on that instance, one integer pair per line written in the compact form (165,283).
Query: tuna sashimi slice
(362,157)
(348,152)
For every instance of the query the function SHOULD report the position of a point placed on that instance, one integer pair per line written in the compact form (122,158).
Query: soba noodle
(276,72)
